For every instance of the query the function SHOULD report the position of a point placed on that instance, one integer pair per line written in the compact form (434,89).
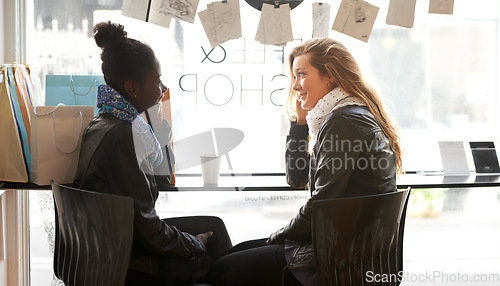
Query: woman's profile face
(151,90)
(310,85)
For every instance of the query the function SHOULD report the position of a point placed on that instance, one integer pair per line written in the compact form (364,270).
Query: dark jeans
(218,244)
(181,271)
(253,263)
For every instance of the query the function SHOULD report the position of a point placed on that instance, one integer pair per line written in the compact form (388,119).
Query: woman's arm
(297,156)
(126,177)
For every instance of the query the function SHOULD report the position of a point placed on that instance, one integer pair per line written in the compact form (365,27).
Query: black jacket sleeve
(108,164)
(297,156)
(331,171)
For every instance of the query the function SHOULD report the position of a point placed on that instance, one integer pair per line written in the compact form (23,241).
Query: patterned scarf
(335,99)
(112,102)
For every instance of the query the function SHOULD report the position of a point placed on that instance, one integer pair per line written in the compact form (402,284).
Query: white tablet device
(453,158)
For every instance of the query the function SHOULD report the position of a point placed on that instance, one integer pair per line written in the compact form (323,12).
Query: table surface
(275,182)
(426,180)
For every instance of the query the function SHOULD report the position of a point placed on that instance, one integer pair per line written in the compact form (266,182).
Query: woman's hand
(204,237)
(301,113)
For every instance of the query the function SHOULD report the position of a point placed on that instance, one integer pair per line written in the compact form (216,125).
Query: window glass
(440,225)
(439,79)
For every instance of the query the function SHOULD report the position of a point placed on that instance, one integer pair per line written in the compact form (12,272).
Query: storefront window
(438,79)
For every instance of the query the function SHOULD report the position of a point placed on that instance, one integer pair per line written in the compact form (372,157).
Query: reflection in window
(439,78)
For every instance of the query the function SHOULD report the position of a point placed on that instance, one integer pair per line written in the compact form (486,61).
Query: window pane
(439,228)
(439,79)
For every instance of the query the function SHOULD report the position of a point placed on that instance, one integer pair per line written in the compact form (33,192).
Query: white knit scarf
(333,100)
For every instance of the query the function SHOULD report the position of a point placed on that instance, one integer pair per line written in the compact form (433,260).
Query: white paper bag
(56,134)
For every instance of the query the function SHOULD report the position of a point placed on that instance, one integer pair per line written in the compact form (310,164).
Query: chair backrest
(94,234)
(359,240)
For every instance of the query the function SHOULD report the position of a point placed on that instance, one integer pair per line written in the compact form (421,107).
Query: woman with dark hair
(118,155)
(341,143)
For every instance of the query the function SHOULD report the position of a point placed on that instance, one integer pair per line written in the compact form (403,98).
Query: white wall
(12,31)
(3,263)
(14,269)
(3,247)
(2,38)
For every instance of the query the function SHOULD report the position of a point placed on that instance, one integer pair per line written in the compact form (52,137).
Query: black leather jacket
(352,157)
(108,164)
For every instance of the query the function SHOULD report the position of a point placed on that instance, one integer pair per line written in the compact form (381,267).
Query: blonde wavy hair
(333,59)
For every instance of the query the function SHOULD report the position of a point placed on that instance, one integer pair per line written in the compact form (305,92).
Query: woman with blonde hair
(341,143)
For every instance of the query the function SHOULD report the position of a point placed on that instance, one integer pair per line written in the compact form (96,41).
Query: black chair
(94,234)
(359,240)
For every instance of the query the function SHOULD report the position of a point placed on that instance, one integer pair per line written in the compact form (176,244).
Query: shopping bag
(12,161)
(21,107)
(56,139)
(37,98)
(72,90)
(23,102)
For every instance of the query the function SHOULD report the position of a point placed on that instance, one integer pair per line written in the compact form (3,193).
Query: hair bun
(106,33)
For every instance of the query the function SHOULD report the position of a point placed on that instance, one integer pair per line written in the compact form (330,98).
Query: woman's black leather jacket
(108,164)
(352,157)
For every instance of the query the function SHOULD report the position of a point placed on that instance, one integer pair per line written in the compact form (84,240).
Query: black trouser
(252,263)
(218,244)
(182,271)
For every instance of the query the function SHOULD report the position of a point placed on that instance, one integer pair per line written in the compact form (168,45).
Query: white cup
(210,168)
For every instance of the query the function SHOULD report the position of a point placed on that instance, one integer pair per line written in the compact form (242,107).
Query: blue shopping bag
(72,89)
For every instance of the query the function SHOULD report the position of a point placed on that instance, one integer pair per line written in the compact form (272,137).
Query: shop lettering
(244,53)
(223,87)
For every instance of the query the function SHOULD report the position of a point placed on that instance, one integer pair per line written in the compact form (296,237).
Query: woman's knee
(224,271)
(213,221)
